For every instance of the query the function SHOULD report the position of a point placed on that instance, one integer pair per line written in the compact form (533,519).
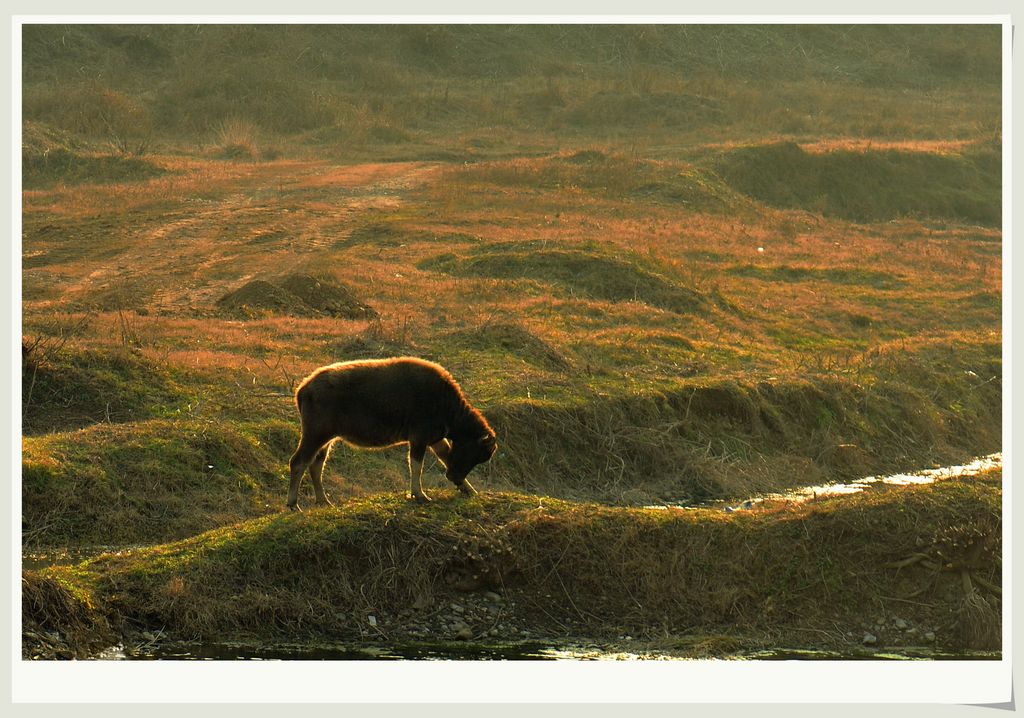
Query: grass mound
(73,389)
(327,295)
(871,185)
(144,481)
(586,272)
(300,295)
(571,566)
(586,157)
(832,275)
(721,438)
(374,344)
(50,156)
(40,139)
(64,167)
(260,297)
(693,188)
(508,338)
(616,177)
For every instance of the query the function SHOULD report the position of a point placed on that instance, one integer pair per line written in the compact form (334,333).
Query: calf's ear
(488,440)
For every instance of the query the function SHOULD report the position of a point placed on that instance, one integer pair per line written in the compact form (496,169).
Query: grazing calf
(383,402)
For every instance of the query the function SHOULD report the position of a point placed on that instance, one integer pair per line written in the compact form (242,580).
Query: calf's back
(379,402)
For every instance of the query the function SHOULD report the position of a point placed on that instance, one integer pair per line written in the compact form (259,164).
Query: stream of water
(868,483)
(532,651)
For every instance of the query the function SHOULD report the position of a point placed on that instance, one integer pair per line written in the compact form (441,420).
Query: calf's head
(468,453)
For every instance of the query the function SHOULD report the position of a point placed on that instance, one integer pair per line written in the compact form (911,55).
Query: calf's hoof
(466,489)
(294,507)
(324,502)
(420,498)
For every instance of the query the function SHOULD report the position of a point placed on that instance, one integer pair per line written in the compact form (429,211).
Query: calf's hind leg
(416,452)
(316,470)
(300,461)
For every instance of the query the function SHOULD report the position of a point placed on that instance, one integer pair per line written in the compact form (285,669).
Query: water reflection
(190,651)
(35,560)
(805,493)
(928,476)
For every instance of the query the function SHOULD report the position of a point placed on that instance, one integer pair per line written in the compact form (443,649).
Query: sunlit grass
(574,323)
(585,252)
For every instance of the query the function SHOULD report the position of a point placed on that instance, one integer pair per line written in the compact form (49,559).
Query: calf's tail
(301,397)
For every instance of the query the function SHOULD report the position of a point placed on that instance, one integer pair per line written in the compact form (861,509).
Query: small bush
(236,139)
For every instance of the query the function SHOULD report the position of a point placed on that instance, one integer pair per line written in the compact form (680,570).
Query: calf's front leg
(442,450)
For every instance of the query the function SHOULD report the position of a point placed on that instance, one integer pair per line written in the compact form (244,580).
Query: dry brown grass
(822,298)
(59,619)
(217,240)
(859,144)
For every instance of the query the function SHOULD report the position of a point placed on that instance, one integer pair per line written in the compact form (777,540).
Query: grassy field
(665,269)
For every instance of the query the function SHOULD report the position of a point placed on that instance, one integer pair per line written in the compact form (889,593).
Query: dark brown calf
(383,402)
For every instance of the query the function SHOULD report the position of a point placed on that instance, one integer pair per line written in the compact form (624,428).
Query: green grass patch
(144,481)
(612,176)
(833,275)
(870,186)
(75,388)
(579,271)
(51,156)
(564,430)
(425,85)
(709,439)
(53,166)
(508,339)
(641,111)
